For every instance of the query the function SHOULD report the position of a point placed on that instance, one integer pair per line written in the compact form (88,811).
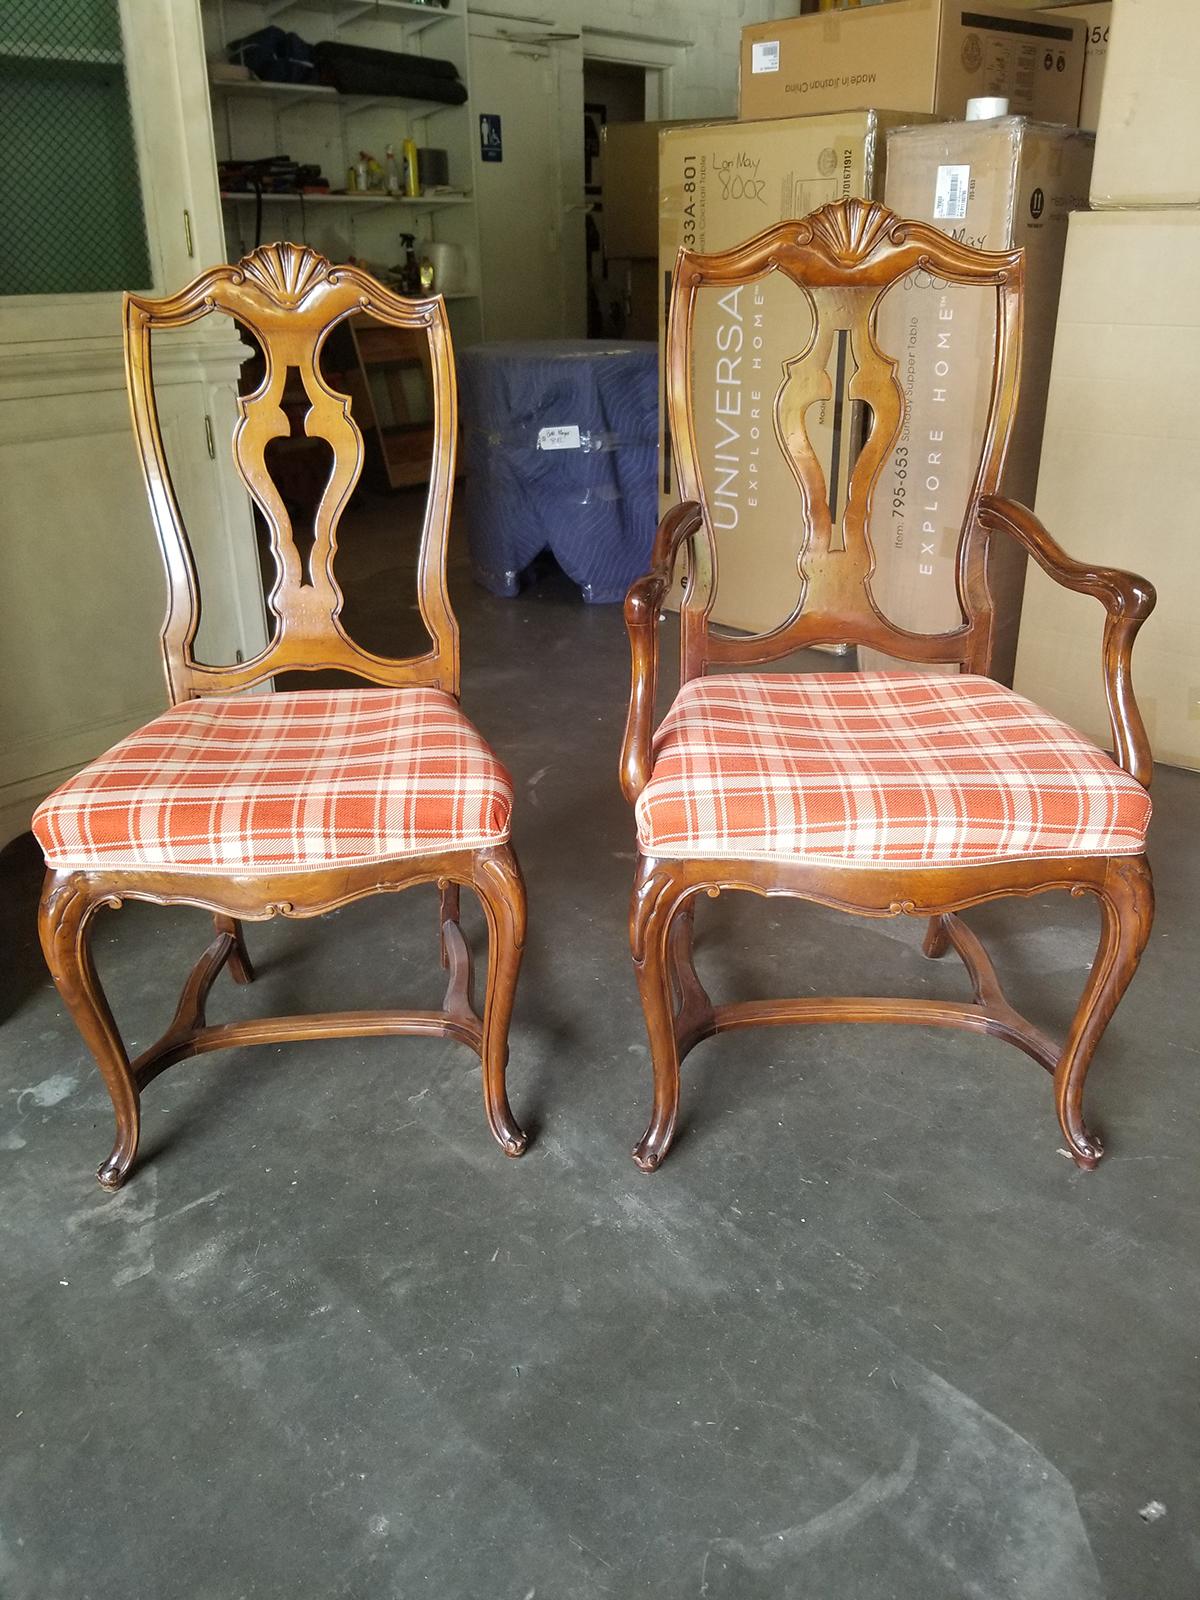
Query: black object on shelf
(270,175)
(275,56)
(433,168)
(358,69)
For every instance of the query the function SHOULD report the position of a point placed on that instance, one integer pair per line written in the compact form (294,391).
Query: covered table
(560,440)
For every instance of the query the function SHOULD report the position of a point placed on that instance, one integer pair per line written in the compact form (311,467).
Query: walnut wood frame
(843,258)
(291,298)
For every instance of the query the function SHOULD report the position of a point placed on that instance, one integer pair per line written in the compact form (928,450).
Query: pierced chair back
(291,299)
(843,260)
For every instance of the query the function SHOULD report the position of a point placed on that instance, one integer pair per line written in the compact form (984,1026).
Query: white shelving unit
(312,123)
(425,202)
(409,13)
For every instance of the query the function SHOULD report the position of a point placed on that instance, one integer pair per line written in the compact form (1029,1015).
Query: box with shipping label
(994,185)
(1118,477)
(720,184)
(1148,135)
(916,55)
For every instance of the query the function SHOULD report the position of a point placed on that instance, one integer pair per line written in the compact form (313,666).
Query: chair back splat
(843,260)
(290,299)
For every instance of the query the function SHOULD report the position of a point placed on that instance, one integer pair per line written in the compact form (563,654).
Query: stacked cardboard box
(995,185)
(1096,16)
(1117,481)
(914,55)
(1148,136)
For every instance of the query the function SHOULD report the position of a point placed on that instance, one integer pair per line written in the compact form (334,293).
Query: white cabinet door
(83,600)
(133,84)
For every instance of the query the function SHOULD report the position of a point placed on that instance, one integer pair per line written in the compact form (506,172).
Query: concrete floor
(866,1334)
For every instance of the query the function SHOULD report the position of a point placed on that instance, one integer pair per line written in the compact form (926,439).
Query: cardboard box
(997,184)
(1096,16)
(1148,137)
(1118,478)
(915,55)
(720,184)
(641,300)
(629,186)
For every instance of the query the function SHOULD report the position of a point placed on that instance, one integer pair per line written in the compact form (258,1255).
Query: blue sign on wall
(491,142)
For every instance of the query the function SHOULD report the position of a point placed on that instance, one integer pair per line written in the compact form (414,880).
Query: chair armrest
(643,606)
(1126,598)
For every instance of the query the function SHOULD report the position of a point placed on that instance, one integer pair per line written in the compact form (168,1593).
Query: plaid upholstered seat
(871,769)
(283,782)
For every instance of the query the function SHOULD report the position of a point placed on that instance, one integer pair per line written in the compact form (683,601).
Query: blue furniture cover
(532,484)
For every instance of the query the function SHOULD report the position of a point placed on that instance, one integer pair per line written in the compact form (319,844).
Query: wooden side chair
(288,803)
(882,793)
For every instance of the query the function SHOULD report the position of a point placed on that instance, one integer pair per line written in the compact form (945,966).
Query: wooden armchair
(885,794)
(290,804)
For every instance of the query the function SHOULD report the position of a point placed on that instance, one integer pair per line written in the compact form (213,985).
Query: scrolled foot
(1086,1151)
(111,1174)
(646,1158)
(651,1149)
(507,1131)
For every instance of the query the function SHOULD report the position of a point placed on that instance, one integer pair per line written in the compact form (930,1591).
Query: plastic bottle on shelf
(394,184)
(412,181)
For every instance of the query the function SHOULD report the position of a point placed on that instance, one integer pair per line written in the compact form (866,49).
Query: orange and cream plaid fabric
(879,769)
(283,783)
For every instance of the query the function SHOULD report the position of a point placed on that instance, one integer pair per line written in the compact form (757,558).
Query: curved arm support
(643,605)
(1128,601)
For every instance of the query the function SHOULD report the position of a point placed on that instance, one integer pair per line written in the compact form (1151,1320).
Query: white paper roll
(985,106)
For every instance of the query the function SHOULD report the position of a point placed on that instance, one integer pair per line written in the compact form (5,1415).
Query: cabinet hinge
(209,439)
(187,233)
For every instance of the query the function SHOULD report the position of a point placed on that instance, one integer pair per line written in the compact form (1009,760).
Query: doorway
(621,293)
(613,92)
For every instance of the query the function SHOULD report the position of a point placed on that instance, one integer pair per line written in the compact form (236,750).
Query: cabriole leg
(1126,913)
(64,924)
(655,899)
(501,889)
(937,940)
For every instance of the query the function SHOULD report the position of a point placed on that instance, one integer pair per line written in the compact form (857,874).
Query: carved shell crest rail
(851,230)
(286,272)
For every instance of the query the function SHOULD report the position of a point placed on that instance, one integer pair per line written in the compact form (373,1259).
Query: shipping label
(764,55)
(950,193)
